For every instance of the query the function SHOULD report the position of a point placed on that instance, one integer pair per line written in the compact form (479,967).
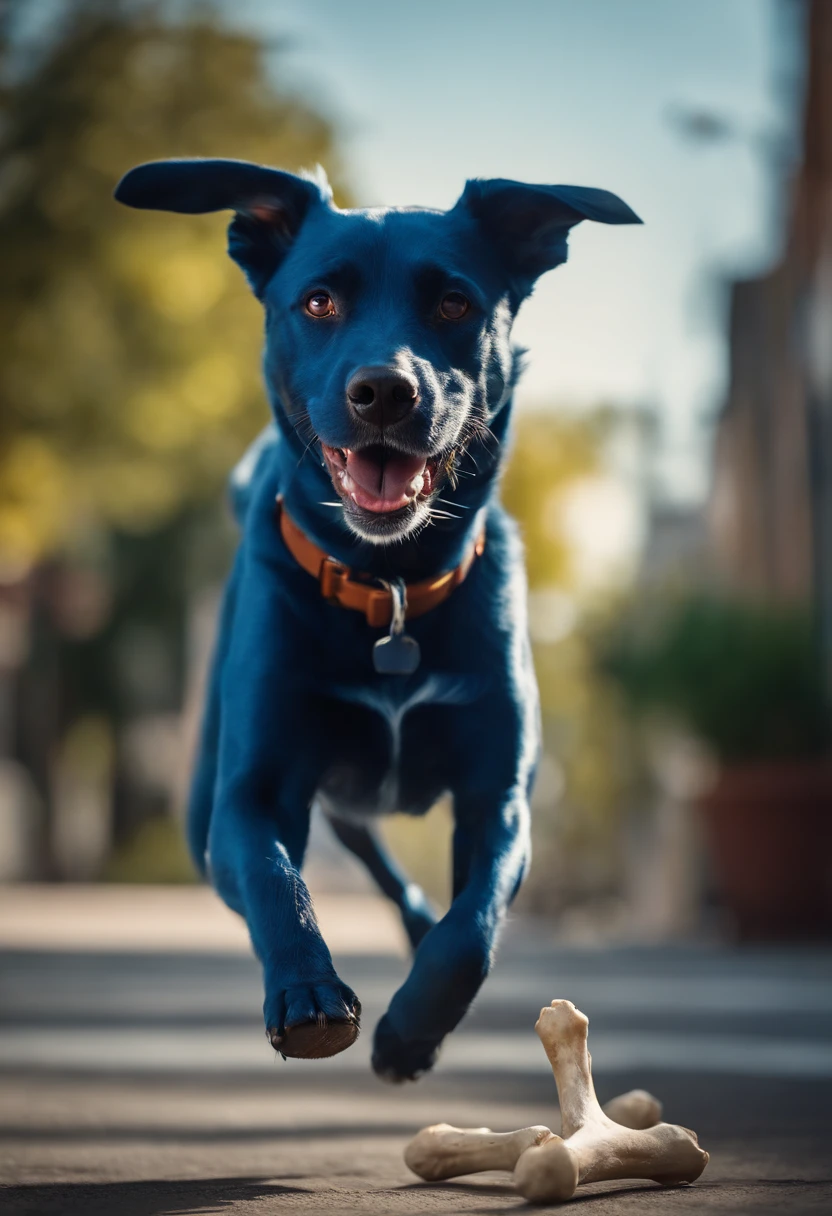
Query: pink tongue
(386,484)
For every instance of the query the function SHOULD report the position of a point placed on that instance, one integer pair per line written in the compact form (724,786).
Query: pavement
(135,1078)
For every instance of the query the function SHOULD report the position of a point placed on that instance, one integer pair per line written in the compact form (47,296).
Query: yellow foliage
(550,453)
(188,286)
(33,509)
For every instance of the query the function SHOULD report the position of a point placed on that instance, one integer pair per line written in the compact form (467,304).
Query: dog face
(387,330)
(387,338)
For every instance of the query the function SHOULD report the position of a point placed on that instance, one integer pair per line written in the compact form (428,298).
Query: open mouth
(380,479)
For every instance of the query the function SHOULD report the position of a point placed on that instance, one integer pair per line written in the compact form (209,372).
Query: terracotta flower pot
(768,827)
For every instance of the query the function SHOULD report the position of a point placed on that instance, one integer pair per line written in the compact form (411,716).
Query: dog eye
(319,304)
(454,306)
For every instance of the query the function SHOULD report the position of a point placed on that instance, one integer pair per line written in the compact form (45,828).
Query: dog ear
(530,224)
(271,205)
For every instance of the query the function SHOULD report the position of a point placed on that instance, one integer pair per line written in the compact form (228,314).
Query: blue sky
(565,91)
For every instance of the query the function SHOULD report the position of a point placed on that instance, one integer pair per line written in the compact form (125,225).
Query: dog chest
(388,759)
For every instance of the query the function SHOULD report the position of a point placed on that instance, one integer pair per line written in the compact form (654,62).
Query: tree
(129,345)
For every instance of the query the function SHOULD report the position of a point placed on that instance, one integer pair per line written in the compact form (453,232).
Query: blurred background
(671,471)
(672,462)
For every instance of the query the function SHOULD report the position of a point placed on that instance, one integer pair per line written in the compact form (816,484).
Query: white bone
(595,1149)
(637,1109)
(443,1151)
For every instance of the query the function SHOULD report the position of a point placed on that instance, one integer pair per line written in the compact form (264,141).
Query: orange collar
(339,585)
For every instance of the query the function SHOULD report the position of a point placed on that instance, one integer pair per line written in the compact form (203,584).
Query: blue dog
(373,652)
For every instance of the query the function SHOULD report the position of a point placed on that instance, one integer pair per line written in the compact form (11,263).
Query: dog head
(387,330)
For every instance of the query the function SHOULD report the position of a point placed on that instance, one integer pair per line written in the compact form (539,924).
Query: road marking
(209,1051)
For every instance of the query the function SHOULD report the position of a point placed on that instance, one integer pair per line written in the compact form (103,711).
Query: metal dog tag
(397,654)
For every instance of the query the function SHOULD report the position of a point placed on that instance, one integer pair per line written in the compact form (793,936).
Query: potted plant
(746,680)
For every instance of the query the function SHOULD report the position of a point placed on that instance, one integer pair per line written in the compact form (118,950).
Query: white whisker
(306,450)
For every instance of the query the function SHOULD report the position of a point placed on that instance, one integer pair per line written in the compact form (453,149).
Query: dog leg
(204,779)
(255,863)
(417,915)
(491,849)
(271,756)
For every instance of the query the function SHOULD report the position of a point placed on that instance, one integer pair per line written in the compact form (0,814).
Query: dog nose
(382,396)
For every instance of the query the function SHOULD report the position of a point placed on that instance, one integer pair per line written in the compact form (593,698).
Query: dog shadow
(518,1203)
(152,1198)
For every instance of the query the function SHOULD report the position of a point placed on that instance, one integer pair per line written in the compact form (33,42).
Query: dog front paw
(313,1021)
(396,1059)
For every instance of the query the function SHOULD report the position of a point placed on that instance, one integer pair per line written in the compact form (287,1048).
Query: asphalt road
(140,1084)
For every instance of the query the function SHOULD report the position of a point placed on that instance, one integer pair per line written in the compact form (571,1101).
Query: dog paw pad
(320,1020)
(397,1060)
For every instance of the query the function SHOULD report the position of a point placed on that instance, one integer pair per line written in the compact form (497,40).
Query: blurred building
(770,512)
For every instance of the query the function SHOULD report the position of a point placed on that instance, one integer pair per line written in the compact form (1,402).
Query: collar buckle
(332,578)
